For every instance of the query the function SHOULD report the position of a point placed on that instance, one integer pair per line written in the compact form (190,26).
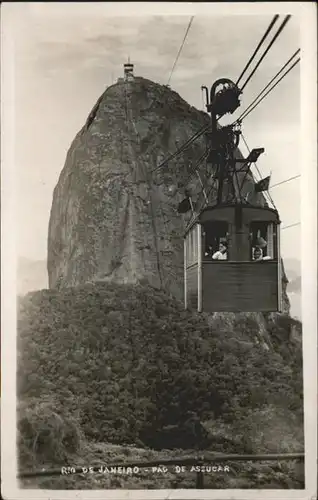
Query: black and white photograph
(159,250)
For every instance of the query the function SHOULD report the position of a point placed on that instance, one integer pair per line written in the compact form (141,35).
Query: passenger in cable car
(221,254)
(260,242)
(258,254)
(209,252)
(259,245)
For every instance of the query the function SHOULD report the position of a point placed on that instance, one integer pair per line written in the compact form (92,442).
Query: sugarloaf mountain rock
(114,214)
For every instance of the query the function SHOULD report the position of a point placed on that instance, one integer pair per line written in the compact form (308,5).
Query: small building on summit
(128,73)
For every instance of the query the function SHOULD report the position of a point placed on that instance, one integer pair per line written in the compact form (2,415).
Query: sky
(65,55)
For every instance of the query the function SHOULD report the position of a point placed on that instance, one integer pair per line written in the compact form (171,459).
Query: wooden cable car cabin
(239,282)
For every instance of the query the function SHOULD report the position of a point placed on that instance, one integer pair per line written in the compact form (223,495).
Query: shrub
(47,431)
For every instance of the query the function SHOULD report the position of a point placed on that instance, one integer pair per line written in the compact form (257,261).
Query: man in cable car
(221,254)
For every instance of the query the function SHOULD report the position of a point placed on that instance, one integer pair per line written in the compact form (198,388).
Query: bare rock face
(114,217)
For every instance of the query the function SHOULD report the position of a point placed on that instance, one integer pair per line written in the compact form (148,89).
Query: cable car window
(263,241)
(187,250)
(195,238)
(216,240)
(275,242)
(192,246)
(270,241)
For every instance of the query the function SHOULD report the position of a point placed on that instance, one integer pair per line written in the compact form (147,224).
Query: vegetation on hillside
(114,365)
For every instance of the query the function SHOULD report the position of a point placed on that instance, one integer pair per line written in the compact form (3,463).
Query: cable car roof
(273,213)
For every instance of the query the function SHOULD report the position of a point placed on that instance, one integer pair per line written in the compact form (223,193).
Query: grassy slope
(102,367)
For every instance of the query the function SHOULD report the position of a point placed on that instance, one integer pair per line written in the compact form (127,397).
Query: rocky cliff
(113,217)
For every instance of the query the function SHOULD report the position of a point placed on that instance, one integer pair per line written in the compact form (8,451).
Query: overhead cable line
(280,29)
(248,149)
(212,187)
(204,204)
(198,163)
(287,180)
(258,47)
(269,83)
(244,115)
(291,225)
(258,171)
(180,50)
(183,147)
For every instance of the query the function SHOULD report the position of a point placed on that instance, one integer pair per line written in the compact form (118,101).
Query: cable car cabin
(232,260)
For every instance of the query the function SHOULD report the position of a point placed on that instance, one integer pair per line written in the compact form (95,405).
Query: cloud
(155,38)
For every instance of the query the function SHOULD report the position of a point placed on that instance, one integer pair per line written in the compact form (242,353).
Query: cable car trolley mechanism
(232,243)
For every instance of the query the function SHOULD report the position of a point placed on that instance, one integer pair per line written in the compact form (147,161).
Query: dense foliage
(127,365)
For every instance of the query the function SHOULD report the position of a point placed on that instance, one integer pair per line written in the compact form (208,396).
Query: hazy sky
(65,55)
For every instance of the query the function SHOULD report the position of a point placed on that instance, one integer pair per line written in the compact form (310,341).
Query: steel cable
(243,116)
(269,83)
(183,147)
(258,171)
(180,50)
(280,29)
(258,47)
